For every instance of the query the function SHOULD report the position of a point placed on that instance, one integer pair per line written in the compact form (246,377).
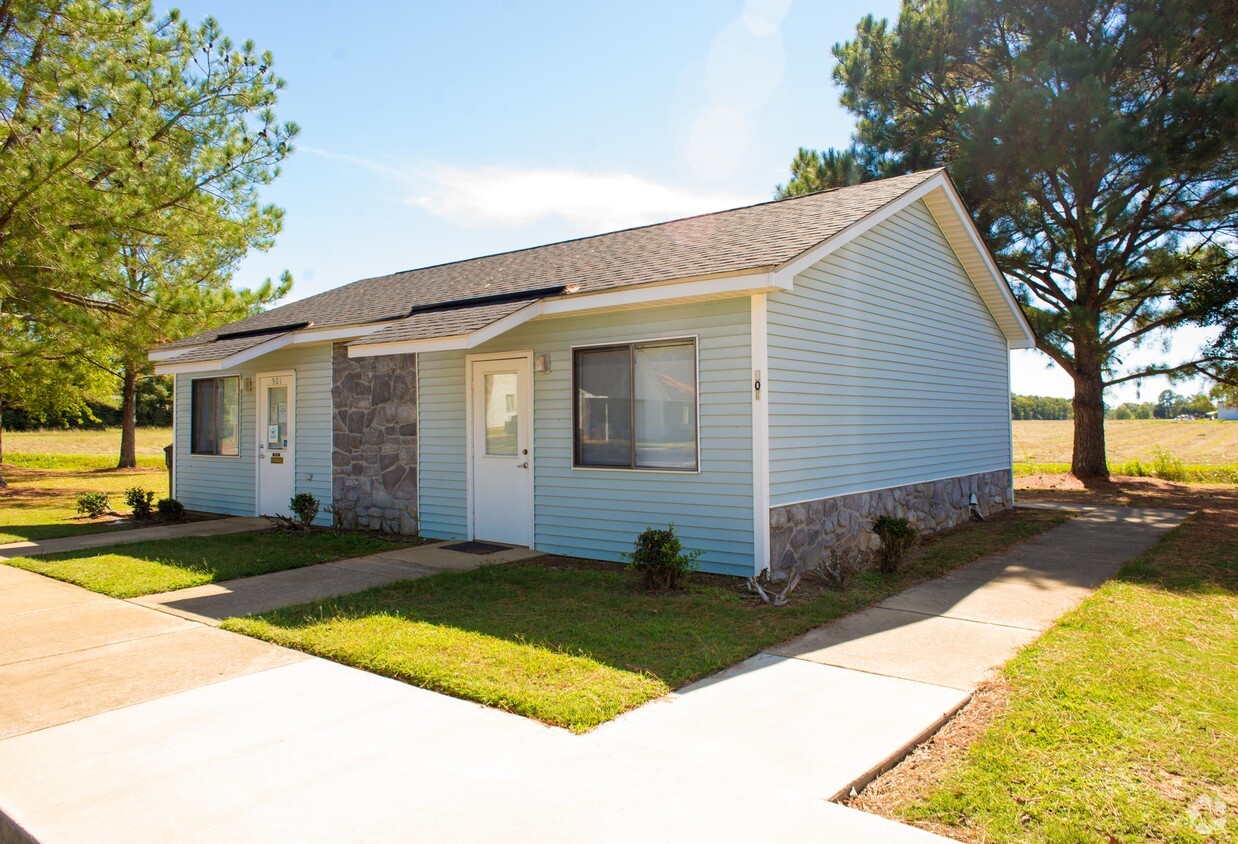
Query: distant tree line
(1168,405)
(1040,407)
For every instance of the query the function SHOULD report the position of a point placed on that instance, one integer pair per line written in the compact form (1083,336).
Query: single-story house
(768,379)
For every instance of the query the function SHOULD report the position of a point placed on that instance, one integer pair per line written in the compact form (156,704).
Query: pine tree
(1093,142)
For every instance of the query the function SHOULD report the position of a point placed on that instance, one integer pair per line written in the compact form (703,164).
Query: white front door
(502,464)
(276,443)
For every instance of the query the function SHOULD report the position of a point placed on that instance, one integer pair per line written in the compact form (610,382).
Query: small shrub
(659,557)
(897,538)
(93,504)
(171,510)
(141,501)
(305,506)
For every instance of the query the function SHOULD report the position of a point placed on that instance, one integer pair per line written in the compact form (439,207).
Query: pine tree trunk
(128,420)
(1088,459)
(3,483)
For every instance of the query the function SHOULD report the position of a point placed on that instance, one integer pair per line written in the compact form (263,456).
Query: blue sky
(434,132)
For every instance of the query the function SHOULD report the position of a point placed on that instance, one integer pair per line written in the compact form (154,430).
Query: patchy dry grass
(1200,442)
(105,442)
(46,470)
(42,503)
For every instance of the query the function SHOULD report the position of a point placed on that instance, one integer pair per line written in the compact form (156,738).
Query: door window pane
(665,406)
(604,407)
(277,417)
(502,416)
(636,406)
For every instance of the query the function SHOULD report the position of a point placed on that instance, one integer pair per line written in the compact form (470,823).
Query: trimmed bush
(141,501)
(93,504)
(897,538)
(305,506)
(171,510)
(659,557)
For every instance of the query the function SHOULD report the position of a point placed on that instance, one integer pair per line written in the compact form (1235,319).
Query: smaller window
(215,416)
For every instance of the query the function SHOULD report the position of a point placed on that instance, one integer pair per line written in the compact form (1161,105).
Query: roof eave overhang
(661,293)
(165,359)
(943,200)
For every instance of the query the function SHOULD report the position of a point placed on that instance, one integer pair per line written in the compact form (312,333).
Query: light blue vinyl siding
(885,369)
(441,445)
(598,513)
(226,484)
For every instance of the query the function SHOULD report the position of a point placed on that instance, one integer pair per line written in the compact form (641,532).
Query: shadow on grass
(1200,557)
(589,609)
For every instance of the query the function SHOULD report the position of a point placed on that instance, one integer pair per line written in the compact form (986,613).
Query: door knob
(523,465)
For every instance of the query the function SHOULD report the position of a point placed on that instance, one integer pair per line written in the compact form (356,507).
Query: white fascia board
(233,360)
(304,337)
(448,344)
(744,284)
(405,347)
(178,368)
(156,355)
(785,275)
(1028,338)
(307,336)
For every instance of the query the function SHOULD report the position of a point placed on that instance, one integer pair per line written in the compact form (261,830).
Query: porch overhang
(469,326)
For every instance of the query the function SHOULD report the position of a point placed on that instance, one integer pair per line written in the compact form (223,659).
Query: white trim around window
(649,341)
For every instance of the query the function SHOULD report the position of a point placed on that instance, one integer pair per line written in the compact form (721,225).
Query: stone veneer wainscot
(803,535)
(374,440)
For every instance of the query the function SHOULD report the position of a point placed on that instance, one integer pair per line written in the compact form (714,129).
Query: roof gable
(738,240)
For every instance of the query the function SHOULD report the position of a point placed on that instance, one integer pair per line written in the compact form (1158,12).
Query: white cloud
(589,202)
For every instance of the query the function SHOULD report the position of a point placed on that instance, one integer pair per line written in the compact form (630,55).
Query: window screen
(635,406)
(215,412)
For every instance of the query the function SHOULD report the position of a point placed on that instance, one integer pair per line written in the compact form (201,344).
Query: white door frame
(526,356)
(260,430)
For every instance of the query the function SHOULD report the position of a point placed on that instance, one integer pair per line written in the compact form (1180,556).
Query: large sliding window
(636,406)
(216,416)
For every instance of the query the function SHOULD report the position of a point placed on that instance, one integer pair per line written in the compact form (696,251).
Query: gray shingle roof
(224,348)
(740,239)
(449,322)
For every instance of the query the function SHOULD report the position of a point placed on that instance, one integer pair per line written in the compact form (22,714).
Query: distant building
(1226,412)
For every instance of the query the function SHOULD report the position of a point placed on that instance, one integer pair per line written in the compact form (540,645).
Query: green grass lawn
(46,470)
(161,565)
(1122,721)
(42,503)
(574,643)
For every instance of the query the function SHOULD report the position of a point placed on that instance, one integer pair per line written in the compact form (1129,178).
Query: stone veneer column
(374,440)
(803,535)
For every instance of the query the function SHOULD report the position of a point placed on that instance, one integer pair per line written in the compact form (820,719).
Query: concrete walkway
(274,744)
(210,527)
(212,603)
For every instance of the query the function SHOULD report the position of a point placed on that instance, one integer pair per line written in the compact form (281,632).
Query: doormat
(479,548)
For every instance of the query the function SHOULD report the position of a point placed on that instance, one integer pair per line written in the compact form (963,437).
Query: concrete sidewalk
(302,748)
(209,527)
(213,602)
(977,617)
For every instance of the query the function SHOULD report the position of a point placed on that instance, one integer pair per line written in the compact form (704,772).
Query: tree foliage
(1039,407)
(132,154)
(1094,143)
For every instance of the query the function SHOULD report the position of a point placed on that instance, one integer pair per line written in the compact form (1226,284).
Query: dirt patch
(917,775)
(1127,492)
